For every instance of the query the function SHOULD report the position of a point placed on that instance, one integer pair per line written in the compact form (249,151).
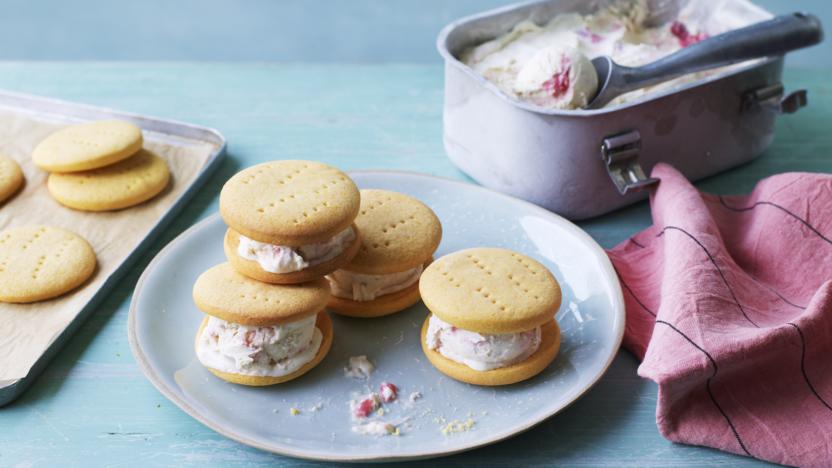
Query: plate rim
(150,373)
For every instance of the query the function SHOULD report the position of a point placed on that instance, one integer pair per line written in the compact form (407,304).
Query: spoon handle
(768,38)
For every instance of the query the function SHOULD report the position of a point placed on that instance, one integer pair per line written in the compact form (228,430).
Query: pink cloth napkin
(729,306)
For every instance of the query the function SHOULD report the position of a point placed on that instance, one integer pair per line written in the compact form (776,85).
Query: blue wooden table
(93,406)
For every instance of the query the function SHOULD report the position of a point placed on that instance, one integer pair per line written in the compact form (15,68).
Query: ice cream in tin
(548,64)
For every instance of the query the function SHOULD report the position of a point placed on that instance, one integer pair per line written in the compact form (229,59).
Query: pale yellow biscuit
(398,232)
(378,307)
(11,177)
(289,203)
(252,269)
(88,146)
(550,338)
(42,262)
(490,290)
(230,296)
(323,323)
(114,187)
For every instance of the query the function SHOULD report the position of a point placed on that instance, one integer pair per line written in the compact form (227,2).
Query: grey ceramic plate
(163,321)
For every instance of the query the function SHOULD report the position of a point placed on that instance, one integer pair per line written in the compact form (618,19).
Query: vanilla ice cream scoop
(362,287)
(263,351)
(559,77)
(481,351)
(284,259)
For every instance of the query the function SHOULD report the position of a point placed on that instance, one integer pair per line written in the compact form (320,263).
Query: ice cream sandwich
(290,221)
(492,318)
(399,235)
(257,333)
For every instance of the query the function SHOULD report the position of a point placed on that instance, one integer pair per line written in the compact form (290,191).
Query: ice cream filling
(480,351)
(361,287)
(260,351)
(547,64)
(283,259)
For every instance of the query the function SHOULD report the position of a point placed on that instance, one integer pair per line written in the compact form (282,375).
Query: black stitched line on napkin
(781,208)
(627,287)
(803,365)
(708,384)
(637,243)
(707,354)
(718,269)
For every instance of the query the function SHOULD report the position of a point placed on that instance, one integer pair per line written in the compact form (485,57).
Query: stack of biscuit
(96,166)
(101,166)
(290,223)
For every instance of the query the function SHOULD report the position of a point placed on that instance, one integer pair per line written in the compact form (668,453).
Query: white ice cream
(532,62)
(260,351)
(361,287)
(480,351)
(282,259)
(558,77)
(359,367)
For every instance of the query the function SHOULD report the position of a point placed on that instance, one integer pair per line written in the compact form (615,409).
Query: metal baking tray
(583,163)
(68,112)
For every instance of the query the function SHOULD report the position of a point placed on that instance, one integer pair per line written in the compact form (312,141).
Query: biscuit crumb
(456,426)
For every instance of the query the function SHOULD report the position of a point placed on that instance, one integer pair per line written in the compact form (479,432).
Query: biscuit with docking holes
(42,262)
(88,146)
(121,185)
(398,233)
(230,296)
(290,203)
(490,290)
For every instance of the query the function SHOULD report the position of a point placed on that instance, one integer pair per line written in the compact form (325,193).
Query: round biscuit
(11,177)
(490,290)
(549,346)
(42,262)
(88,146)
(226,294)
(289,202)
(121,185)
(398,232)
(253,270)
(323,323)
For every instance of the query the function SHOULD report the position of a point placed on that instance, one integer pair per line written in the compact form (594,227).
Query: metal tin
(583,163)
(167,130)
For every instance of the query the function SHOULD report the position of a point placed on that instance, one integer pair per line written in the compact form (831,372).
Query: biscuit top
(490,290)
(9,170)
(398,233)
(230,296)
(88,146)
(289,203)
(10,176)
(39,262)
(116,186)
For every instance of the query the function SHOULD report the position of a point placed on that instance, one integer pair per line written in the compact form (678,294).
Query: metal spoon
(773,37)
